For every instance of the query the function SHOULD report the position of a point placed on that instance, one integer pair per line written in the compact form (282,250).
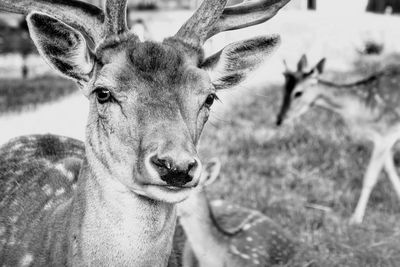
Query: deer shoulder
(38,174)
(220,233)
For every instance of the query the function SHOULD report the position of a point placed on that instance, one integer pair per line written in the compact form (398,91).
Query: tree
(380,6)
(16,40)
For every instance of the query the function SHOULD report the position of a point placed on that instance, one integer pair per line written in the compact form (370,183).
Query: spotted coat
(37,177)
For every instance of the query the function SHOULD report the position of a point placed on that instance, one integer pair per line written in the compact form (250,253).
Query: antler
(195,30)
(116,16)
(82,16)
(212,18)
(247,14)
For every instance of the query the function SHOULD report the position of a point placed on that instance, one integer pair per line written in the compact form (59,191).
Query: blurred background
(305,176)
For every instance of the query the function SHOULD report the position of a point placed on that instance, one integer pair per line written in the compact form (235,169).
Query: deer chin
(164,193)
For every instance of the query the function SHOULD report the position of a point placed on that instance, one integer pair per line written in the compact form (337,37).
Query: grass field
(18,95)
(307,177)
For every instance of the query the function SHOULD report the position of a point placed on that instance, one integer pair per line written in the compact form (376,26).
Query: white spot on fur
(13,219)
(61,168)
(11,241)
(235,251)
(19,172)
(59,192)
(249,239)
(63,139)
(16,147)
(2,230)
(47,189)
(246,226)
(218,203)
(47,206)
(26,260)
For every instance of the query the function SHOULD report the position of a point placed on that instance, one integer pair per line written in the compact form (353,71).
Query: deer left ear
(231,65)
(211,171)
(63,47)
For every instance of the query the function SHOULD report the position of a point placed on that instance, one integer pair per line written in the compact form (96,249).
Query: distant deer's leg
(370,179)
(391,172)
(188,257)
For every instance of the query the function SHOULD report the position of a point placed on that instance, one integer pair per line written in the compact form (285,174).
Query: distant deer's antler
(82,16)
(212,17)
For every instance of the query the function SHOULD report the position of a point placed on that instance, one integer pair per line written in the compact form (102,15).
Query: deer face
(299,91)
(148,101)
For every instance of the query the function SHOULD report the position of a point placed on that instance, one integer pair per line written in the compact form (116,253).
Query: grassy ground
(17,94)
(307,177)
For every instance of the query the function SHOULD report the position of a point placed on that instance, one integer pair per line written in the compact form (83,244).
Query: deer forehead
(149,67)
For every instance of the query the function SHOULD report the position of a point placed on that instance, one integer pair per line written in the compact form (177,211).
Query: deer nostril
(163,166)
(191,166)
(174,173)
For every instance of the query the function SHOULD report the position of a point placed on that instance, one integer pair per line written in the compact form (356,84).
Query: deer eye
(103,95)
(298,94)
(210,100)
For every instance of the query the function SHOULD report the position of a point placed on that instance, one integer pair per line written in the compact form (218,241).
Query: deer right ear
(302,64)
(211,171)
(63,47)
(231,65)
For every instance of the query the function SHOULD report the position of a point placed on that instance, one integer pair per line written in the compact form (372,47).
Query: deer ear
(320,66)
(63,47)
(302,64)
(211,171)
(230,66)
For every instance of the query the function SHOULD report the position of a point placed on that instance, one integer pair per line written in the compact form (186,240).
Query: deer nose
(175,172)
(279,121)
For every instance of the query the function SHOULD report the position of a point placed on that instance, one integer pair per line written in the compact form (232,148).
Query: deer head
(148,101)
(299,93)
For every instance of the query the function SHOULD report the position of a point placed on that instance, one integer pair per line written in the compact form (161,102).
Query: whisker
(261,95)
(218,118)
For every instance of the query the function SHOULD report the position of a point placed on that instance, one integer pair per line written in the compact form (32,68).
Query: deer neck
(116,227)
(332,98)
(205,238)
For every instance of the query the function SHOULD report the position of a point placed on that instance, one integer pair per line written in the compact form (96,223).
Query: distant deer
(223,234)
(148,105)
(371,112)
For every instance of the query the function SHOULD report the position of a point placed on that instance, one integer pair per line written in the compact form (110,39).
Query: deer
(220,233)
(368,107)
(148,104)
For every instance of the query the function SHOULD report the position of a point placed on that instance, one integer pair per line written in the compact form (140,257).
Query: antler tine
(195,30)
(82,16)
(247,14)
(115,12)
